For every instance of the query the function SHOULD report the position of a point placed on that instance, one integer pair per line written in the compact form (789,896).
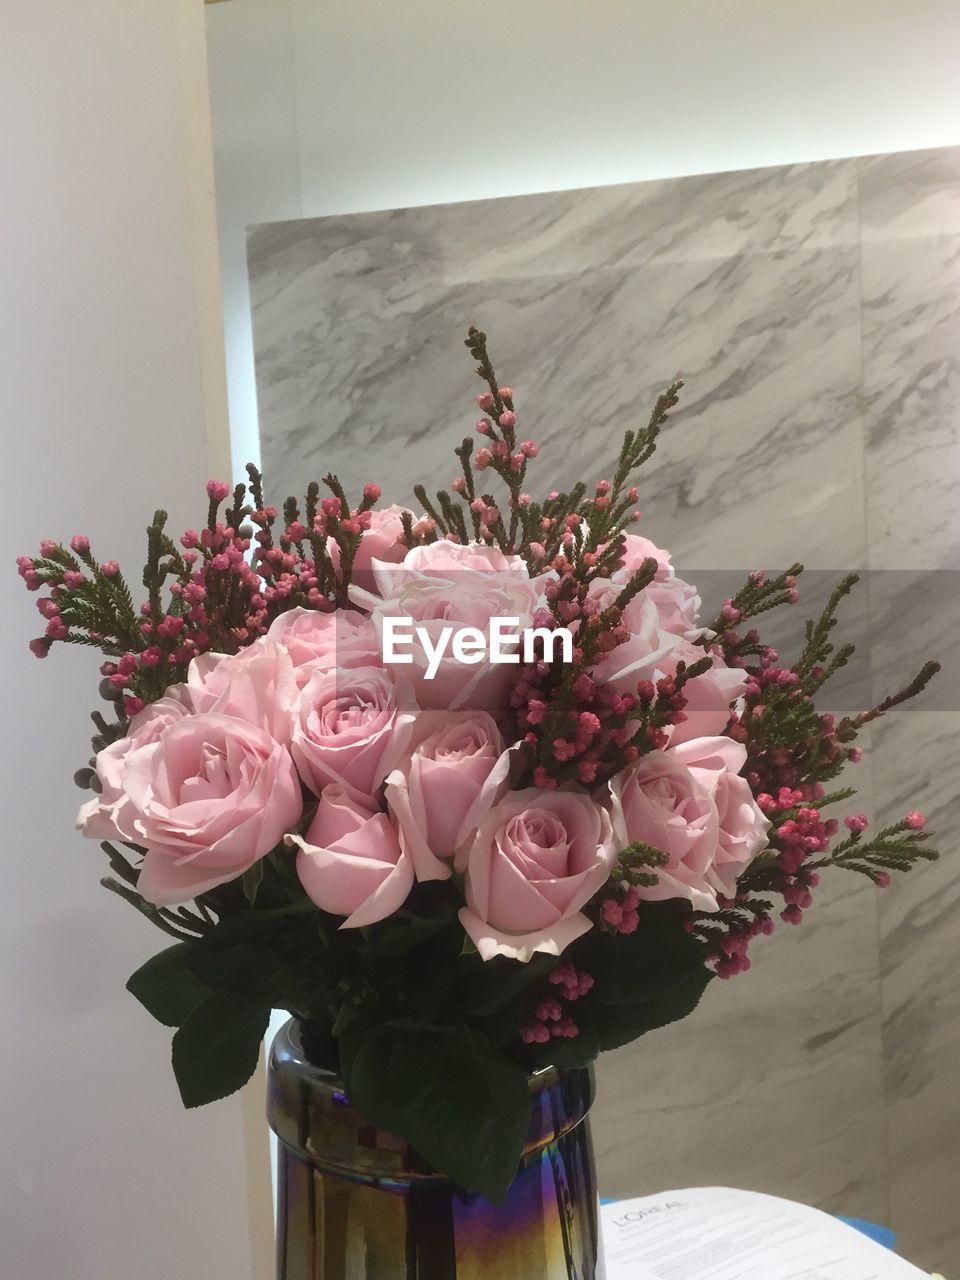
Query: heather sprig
(895,848)
(576,729)
(616,907)
(758,595)
(793,751)
(219,589)
(538,530)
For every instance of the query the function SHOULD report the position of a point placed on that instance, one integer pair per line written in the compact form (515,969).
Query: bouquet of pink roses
(468,791)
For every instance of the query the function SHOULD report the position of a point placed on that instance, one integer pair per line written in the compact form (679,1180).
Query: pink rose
(209,797)
(663,803)
(454,561)
(350,861)
(317,641)
(535,861)
(109,815)
(716,763)
(677,603)
(451,559)
(382,541)
(350,728)
(709,696)
(436,604)
(256,685)
(636,549)
(454,768)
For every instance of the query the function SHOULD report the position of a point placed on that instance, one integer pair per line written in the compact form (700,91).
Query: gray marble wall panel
(813,311)
(910,211)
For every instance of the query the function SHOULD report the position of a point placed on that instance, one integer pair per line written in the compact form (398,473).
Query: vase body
(355,1203)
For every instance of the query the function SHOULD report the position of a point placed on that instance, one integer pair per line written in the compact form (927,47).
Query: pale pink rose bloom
(709,696)
(256,685)
(454,561)
(382,541)
(350,728)
(450,559)
(350,861)
(665,804)
(636,549)
(109,815)
(717,763)
(678,605)
(435,603)
(677,601)
(210,797)
(318,641)
(453,770)
(534,863)
(642,656)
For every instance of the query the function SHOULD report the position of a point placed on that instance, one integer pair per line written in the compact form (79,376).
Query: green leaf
(642,981)
(398,935)
(579,1051)
(251,881)
(498,981)
(216,1050)
(620,1023)
(243,967)
(643,964)
(167,987)
(462,1105)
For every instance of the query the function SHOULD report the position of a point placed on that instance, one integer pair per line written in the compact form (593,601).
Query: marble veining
(814,311)
(910,247)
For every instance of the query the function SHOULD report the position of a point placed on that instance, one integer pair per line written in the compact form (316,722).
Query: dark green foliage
(167,986)
(216,1050)
(459,1102)
(642,980)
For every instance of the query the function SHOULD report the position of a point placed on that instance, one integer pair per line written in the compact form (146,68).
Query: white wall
(331,106)
(113,403)
(439,100)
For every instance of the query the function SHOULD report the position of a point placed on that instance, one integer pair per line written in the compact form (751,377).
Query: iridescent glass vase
(355,1203)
